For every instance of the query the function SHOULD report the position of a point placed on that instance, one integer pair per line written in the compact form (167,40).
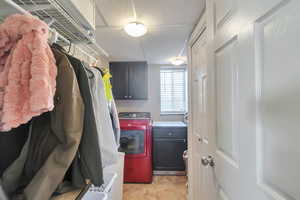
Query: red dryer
(136,143)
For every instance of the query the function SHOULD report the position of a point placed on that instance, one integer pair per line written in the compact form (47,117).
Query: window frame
(185,91)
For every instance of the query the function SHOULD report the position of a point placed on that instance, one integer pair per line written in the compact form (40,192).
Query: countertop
(169,124)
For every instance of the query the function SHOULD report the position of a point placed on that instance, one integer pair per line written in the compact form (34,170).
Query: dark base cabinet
(169,143)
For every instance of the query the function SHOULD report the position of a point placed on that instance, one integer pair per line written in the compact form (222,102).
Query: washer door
(132,141)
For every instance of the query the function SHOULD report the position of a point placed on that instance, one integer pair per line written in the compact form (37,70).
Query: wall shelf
(61,21)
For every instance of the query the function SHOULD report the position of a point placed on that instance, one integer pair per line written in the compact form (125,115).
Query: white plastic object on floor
(103,192)
(109,180)
(116,192)
(94,195)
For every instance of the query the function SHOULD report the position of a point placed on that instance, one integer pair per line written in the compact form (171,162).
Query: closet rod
(82,51)
(53,31)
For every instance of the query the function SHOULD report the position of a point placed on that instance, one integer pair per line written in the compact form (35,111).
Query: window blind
(173,97)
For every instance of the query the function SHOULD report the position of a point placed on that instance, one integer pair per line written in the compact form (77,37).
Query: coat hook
(49,21)
(54,36)
(70,47)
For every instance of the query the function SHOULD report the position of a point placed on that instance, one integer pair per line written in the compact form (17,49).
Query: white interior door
(197,80)
(255,61)
(201,180)
(253,109)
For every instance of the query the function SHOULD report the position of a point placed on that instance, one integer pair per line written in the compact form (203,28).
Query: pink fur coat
(27,70)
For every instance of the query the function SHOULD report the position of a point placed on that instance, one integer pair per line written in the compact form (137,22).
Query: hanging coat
(111,103)
(27,70)
(54,141)
(88,164)
(115,121)
(15,138)
(109,148)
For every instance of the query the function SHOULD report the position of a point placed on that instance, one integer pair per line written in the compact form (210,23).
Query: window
(173,91)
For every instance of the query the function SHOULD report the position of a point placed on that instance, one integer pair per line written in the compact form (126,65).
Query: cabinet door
(167,154)
(119,72)
(138,80)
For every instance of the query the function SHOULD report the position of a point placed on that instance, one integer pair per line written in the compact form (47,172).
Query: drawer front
(169,132)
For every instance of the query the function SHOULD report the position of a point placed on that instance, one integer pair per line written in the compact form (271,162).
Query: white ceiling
(169,23)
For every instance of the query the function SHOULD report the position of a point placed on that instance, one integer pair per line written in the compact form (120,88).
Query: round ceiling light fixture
(135,29)
(178,60)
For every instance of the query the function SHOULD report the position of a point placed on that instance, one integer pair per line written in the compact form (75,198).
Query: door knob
(208,161)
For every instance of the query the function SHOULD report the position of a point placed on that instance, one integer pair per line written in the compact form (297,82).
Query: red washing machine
(136,143)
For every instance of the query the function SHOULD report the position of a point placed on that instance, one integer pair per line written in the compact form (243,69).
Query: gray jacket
(109,149)
(115,121)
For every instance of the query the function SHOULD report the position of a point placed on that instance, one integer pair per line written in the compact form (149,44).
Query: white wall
(153,103)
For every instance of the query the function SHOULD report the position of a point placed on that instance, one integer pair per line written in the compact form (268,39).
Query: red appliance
(136,142)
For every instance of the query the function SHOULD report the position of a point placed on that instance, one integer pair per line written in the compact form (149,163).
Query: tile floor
(162,188)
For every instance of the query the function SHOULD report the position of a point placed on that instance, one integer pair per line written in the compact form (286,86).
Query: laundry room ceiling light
(135,29)
(178,61)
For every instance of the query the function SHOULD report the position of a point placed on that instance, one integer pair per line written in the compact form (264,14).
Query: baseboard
(169,173)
